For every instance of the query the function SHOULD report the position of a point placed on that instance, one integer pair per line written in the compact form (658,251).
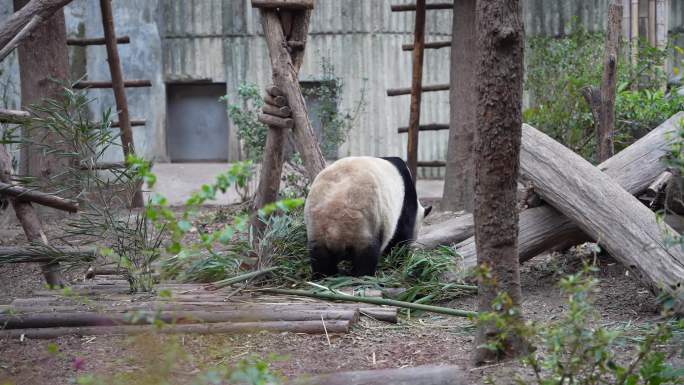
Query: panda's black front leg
(323,262)
(365,261)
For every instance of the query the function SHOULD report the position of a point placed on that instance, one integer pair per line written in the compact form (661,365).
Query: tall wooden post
(605,126)
(118,87)
(416,89)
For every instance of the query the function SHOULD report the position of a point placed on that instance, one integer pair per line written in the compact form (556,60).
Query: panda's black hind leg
(323,262)
(365,260)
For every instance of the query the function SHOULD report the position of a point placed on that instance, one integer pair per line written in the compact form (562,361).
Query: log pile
(586,203)
(105,307)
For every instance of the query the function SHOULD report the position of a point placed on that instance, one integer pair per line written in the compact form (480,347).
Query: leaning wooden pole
(605,126)
(285,77)
(38,10)
(416,88)
(30,221)
(118,87)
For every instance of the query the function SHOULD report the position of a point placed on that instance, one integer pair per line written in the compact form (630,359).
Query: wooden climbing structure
(417,88)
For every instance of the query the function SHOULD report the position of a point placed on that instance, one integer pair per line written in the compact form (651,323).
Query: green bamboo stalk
(374,301)
(239,278)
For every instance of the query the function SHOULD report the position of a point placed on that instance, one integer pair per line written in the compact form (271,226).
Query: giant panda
(359,208)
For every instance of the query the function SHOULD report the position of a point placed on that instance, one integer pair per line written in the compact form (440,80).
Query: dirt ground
(428,339)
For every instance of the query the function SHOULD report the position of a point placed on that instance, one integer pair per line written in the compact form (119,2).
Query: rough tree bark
(42,59)
(605,211)
(500,40)
(460,168)
(605,127)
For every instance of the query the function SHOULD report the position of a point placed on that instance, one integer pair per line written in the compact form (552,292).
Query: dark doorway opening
(197,123)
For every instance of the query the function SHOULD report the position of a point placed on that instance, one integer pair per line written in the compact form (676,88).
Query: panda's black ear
(427,211)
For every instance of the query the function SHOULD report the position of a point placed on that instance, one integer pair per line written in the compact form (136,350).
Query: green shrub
(558,69)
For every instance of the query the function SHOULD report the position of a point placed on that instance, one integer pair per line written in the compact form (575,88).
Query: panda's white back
(351,199)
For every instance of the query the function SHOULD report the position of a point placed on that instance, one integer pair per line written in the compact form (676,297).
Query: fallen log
(542,228)
(310,327)
(141,317)
(43,255)
(603,210)
(28,195)
(451,231)
(421,375)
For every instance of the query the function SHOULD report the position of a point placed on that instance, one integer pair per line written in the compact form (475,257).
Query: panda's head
(422,213)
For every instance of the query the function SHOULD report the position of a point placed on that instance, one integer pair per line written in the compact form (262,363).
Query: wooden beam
(407,91)
(311,327)
(421,375)
(283,4)
(431,45)
(27,195)
(104,84)
(425,127)
(13,116)
(32,13)
(23,33)
(431,163)
(82,42)
(134,122)
(103,166)
(413,7)
(416,89)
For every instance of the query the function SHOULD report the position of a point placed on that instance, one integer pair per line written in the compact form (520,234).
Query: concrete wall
(181,40)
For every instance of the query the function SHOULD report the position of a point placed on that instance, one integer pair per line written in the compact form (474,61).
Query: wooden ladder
(117,83)
(417,87)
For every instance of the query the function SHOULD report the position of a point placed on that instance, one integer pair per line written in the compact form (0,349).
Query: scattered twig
(237,279)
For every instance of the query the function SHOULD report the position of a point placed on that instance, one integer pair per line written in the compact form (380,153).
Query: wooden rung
(433,45)
(82,42)
(407,91)
(13,116)
(103,166)
(134,123)
(283,4)
(98,84)
(431,163)
(426,127)
(412,7)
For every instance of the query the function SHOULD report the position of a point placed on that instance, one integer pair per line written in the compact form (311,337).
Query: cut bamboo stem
(407,91)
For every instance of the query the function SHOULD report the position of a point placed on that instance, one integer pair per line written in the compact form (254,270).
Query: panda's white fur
(353,210)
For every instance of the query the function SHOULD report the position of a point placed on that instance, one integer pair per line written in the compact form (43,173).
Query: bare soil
(427,339)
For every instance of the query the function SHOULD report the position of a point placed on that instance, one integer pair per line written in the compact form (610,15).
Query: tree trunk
(460,166)
(42,60)
(605,211)
(604,133)
(500,40)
